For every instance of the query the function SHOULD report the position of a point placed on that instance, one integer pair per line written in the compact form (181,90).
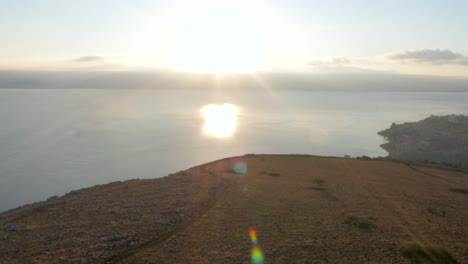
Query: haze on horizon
(397,37)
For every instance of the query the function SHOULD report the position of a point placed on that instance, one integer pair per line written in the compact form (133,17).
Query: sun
(218,36)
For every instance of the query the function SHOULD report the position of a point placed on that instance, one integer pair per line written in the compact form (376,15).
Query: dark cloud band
(431,56)
(95,58)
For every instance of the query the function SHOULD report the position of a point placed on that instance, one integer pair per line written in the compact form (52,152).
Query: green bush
(419,254)
(319,182)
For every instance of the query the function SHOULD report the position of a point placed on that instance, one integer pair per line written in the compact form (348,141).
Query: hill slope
(305,210)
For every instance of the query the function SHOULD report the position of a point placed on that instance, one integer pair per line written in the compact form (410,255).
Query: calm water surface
(55,141)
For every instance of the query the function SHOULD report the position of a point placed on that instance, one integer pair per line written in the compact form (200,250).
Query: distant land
(304,209)
(442,139)
(352,81)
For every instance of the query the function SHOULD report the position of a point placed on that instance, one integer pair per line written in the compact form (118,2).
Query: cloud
(430,56)
(344,65)
(89,59)
(94,58)
(334,61)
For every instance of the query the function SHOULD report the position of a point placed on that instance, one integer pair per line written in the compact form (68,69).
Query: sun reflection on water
(220,120)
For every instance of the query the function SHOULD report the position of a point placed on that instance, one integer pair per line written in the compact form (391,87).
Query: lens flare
(253,236)
(240,168)
(256,253)
(257,256)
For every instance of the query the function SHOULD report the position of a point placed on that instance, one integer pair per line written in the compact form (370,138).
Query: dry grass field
(305,209)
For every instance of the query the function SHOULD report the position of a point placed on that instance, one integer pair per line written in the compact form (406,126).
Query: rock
(112,238)
(54,236)
(161,221)
(3,237)
(12,227)
(13,251)
(119,244)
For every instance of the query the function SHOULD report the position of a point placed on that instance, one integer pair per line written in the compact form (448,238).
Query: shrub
(436,212)
(418,253)
(360,222)
(364,157)
(319,182)
(459,190)
(52,198)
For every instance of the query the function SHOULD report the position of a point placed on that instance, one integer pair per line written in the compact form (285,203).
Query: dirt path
(159,240)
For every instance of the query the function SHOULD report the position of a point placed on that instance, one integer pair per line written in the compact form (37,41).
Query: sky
(402,37)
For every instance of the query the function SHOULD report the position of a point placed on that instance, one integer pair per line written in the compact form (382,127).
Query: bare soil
(305,209)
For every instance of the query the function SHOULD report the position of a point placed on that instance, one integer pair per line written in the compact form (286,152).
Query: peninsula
(442,139)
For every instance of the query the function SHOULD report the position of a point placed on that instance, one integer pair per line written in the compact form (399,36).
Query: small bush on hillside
(273,174)
(364,157)
(319,182)
(436,212)
(419,254)
(459,190)
(360,222)
(52,198)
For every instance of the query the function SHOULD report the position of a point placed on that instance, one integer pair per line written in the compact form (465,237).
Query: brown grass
(203,215)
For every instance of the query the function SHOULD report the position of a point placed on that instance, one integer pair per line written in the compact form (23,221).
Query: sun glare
(219,37)
(220,120)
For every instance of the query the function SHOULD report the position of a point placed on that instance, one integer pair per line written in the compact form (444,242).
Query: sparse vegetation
(362,223)
(238,235)
(328,196)
(52,198)
(459,190)
(386,158)
(291,208)
(448,165)
(258,217)
(419,254)
(364,157)
(436,212)
(273,174)
(319,182)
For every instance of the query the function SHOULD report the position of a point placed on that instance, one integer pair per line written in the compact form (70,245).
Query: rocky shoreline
(442,139)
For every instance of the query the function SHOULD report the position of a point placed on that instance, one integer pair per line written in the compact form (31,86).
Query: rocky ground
(305,209)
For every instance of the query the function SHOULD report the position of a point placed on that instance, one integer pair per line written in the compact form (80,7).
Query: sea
(53,141)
